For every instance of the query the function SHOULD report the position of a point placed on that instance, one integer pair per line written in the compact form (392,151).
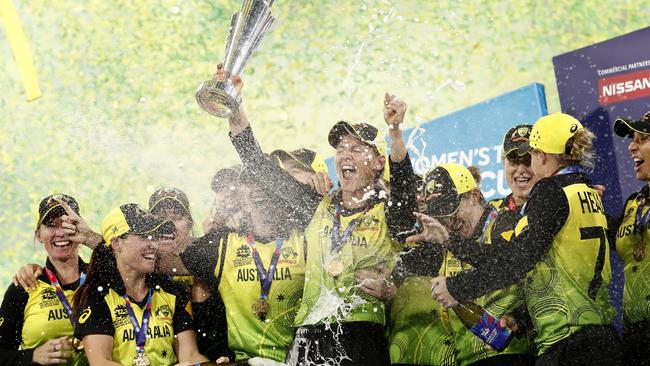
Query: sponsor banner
(620,68)
(598,84)
(623,87)
(474,136)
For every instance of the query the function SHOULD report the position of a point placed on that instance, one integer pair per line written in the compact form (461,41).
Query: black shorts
(636,343)
(592,345)
(353,343)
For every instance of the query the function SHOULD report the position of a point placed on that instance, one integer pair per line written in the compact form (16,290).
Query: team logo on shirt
(243,256)
(289,255)
(628,213)
(164,313)
(48,298)
(121,316)
(369,223)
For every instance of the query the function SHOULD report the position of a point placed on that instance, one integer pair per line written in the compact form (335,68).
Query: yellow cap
(131,219)
(551,133)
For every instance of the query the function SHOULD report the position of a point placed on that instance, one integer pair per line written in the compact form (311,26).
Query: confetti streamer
(20,47)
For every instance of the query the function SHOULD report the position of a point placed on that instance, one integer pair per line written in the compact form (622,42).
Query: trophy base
(219,98)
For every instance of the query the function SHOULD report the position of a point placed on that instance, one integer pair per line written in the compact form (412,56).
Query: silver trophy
(247,28)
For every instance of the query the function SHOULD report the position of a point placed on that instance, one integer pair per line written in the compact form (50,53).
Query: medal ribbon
(491,216)
(59,292)
(339,240)
(512,205)
(571,169)
(266,276)
(140,331)
(641,220)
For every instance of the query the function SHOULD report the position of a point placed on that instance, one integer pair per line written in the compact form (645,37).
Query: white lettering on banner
(480,156)
(626,87)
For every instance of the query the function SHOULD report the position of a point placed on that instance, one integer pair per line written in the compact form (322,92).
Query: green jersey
(636,294)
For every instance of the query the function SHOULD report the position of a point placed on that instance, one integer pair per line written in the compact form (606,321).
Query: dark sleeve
(507,262)
(95,318)
(211,327)
(206,254)
(11,328)
(402,200)
(421,260)
(182,319)
(467,250)
(300,199)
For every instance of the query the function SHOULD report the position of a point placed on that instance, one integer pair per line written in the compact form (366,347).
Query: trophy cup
(247,28)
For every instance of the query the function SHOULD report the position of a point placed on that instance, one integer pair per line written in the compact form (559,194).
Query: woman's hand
(77,229)
(27,276)
(322,183)
(440,293)
(375,282)
(433,231)
(53,352)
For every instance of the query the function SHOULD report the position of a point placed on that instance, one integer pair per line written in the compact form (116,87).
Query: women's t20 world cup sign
(247,28)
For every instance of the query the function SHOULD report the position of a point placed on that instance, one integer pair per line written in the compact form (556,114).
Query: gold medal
(335,267)
(639,251)
(141,359)
(77,344)
(261,309)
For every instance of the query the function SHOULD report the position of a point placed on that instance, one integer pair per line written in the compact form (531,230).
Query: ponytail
(580,150)
(101,274)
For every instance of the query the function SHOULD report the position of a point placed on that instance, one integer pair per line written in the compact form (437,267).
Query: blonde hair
(580,147)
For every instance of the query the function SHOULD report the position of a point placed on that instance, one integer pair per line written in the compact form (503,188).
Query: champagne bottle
(483,325)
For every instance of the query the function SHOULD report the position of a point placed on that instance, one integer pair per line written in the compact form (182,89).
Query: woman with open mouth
(632,237)
(36,324)
(126,314)
(559,248)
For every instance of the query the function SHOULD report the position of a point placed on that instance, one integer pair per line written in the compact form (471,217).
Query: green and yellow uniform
(106,313)
(421,331)
(560,249)
(498,303)
(29,319)
(636,293)
(226,260)
(331,298)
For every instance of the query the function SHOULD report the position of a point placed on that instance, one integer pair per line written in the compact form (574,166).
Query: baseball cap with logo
(551,134)
(515,137)
(309,159)
(131,219)
(167,197)
(50,207)
(627,128)
(443,187)
(363,132)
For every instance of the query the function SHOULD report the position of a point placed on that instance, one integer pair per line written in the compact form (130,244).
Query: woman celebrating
(560,248)
(36,326)
(632,237)
(126,314)
(208,310)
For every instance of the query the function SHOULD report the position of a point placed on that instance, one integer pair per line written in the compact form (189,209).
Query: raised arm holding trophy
(247,28)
